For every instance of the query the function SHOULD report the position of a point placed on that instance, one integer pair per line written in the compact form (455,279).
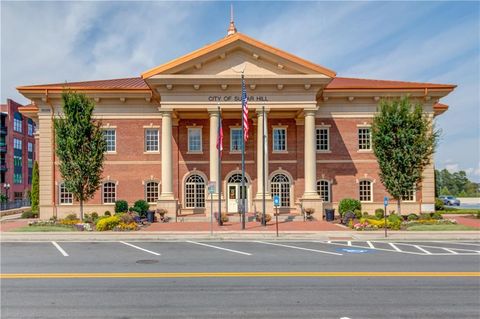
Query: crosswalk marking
(300,248)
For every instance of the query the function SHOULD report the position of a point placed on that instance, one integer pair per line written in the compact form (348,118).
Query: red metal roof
(113,84)
(340,83)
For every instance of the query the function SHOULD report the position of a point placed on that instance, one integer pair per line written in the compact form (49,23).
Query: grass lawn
(452,227)
(29,229)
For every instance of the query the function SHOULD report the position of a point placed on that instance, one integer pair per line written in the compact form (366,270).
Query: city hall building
(161,130)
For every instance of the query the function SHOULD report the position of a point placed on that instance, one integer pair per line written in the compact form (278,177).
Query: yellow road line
(235,274)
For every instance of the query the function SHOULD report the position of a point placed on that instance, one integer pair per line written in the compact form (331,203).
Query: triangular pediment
(235,53)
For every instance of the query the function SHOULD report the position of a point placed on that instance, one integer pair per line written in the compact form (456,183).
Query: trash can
(150,216)
(329,214)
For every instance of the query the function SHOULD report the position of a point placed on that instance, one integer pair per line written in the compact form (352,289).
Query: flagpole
(219,182)
(242,188)
(264,222)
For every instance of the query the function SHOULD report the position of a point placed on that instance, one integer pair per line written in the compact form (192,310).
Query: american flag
(220,136)
(244,110)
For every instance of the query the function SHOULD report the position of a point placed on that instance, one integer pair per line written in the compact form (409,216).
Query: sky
(439,42)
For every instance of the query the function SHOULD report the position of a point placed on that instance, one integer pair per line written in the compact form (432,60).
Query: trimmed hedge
(349,204)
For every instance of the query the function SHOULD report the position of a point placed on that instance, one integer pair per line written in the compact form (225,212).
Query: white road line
(382,249)
(438,247)
(450,251)
(140,248)
(221,248)
(60,249)
(300,248)
(370,245)
(455,243)
(424,250)
(329,241)
(395,247)
(349,243)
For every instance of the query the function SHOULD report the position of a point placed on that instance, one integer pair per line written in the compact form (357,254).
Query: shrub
(379,213)
(29,214)
(268,217)
(87,218)
(107,213)
(394,221)
(125,227)
(224,217)
(365,214)
(436,216)
(349,204)
(121,206)
(128,218)
(94,215)
(71,217)
(411,217)
(358,213)
(141,206)
(107,223)
(424,216)
(439,204)
(71,222)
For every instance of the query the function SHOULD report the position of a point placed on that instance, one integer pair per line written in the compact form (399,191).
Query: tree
(80,146)
(404,141)
(35,193)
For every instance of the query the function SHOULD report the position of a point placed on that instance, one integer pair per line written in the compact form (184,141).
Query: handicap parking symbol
(354,250)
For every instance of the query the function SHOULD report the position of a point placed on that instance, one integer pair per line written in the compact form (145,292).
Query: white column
(310,161)
(167,161)
(260,126)
(213,145)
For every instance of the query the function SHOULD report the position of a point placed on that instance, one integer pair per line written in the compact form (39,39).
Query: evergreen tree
(404,141)
(80,146)
(35,193)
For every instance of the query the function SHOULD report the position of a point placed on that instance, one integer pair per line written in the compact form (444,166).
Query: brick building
(17,151)
(161,129)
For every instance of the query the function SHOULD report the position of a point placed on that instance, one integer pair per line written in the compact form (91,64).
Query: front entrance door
(235,196)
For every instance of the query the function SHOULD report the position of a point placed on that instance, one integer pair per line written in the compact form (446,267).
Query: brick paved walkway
(251,226)
(8,225)
(464,220)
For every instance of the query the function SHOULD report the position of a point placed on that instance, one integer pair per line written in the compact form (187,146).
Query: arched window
(195,192)
(236,178)
(281,187)
(365,191)
(65,196)
(151,192)
(109,192)
(323,189)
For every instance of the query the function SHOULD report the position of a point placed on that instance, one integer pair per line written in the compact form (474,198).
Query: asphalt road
(240,280)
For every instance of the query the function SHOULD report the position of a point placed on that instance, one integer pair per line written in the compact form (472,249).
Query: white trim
(145,182)
(194,128)
(365,150)
(114,129)
(235,128)
(59,185)
(325,127)
(280,127)
(290,177)
(103,192)
(329,199)
(371,190)
(145,151)
(184,179)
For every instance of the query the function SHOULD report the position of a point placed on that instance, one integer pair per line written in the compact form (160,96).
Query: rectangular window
(195,140)
(235,139)
(151,140)
(365,191)
(65,196)
(17,161)
(364,138)
(409,196)
(110,138)
(30,129)
(17,125)
(279,139)
(323,139)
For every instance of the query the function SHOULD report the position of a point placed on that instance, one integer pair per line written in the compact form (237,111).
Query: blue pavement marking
(354,250)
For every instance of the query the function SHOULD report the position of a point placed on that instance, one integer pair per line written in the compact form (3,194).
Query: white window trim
(414,197)
(145,189)
(371,190)
(367,150)
(198,128)
(329,200)
(145,140)
(60,196)
(232,128)
(285,127)
(114,128)
(103,193)
(327,127)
